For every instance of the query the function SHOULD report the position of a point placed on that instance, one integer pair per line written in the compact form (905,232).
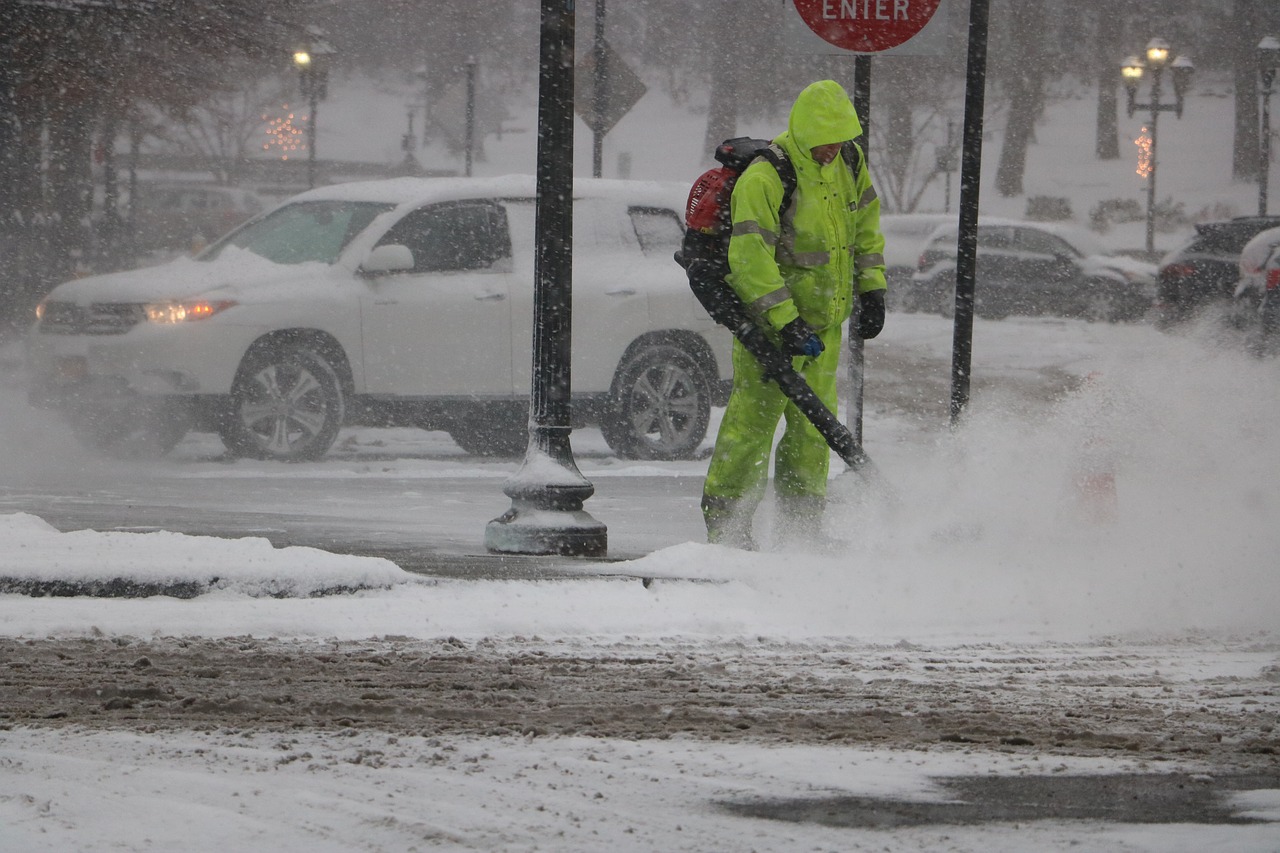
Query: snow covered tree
(72,74)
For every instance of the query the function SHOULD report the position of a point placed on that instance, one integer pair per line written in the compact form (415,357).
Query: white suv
(400,302)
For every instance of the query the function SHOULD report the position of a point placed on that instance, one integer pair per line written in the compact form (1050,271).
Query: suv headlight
(182,312)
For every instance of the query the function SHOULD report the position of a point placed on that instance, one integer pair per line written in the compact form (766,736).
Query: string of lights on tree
(285,133)
(1144,152)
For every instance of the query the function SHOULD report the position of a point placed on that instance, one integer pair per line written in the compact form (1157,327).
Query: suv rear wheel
(659,406)
(286,404)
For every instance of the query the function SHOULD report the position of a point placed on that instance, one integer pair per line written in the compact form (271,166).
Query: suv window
(657,228)
(453,236)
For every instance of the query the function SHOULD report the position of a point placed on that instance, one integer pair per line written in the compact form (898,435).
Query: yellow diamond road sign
(622,89)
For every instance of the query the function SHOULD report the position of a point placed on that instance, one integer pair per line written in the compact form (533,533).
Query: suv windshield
(302,232)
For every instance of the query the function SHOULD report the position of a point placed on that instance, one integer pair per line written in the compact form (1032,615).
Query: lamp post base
(527,528)
(546,515)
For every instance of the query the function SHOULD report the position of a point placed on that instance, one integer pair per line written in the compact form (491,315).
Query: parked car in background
(1256,300)
(1034,268)
(400,302)
(180,217)
(1204,270)
(904,238)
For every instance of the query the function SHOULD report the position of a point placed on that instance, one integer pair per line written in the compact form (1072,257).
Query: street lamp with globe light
(1132,71)
(312,61)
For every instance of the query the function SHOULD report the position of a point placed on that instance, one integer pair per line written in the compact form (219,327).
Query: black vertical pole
(857,346)
(862,96)
(970,179)
(1156,74)
(547,493)
(1264,152)
(600,99)
(314,94)
(471,112)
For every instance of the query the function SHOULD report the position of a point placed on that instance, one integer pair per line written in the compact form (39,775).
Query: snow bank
(38,558)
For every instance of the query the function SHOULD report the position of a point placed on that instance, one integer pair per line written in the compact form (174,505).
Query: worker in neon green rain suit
(796,272)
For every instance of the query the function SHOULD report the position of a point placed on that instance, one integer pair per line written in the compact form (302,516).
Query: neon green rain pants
(739,466)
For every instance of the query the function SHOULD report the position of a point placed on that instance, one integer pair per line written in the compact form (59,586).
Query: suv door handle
(622,291)
(490,297)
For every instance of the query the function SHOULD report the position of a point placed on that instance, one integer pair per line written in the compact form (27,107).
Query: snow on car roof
(1073,233)
(404,191)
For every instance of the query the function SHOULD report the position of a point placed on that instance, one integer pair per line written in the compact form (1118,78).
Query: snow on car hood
(234,272)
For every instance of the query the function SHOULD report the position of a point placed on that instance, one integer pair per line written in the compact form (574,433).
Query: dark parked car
(904,237)
(1205,269)
(1035,268)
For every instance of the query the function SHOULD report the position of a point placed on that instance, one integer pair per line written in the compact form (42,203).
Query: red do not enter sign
(866,26)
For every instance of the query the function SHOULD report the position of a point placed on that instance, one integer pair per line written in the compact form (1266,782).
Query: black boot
(729,522)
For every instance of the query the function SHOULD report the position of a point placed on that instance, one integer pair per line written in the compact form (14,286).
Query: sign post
(605,89)
(863,27)
(872,26)
(967,242)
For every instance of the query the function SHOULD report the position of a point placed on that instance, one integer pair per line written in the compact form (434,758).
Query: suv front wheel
(660,404)
(286,405)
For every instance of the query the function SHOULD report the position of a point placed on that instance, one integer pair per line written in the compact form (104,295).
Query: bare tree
(1023,77)
(1108,38)
(1246,24)
(220,129)
(912,99)
(71,68)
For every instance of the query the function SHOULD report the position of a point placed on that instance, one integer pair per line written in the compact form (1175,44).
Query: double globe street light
(312,61)
(1132,71)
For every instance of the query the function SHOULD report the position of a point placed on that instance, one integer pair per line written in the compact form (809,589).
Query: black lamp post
(1268,61)
(312,61)
(1132,71)
(470,133)
(548,492)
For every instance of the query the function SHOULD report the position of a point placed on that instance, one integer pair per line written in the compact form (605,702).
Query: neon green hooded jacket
(804,262)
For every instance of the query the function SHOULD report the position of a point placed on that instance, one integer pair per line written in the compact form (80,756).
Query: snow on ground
(304,791)
(988,533)
(991,539)
(986,541)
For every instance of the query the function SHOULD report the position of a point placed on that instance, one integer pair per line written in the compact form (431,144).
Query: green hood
(823,114)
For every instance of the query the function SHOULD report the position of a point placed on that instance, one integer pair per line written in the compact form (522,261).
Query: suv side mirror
(390,258)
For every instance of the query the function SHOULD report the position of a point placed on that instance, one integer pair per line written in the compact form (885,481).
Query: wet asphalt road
(432,526)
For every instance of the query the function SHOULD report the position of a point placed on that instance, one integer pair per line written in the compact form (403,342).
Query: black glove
(871,314)
(799,338)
